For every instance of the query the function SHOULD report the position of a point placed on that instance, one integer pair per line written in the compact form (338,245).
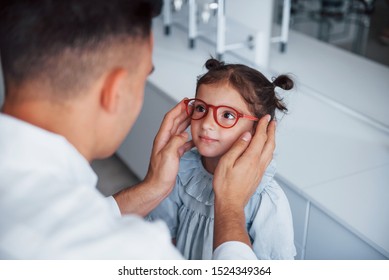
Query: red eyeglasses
(224,116)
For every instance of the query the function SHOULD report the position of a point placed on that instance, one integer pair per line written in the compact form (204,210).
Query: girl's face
(212,140)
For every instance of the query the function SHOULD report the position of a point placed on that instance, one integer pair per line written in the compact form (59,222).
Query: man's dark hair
(33,34)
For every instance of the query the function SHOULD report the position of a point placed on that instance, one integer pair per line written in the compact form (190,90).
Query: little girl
(230,98)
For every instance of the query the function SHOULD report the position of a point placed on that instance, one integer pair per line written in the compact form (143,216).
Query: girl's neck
(210,163)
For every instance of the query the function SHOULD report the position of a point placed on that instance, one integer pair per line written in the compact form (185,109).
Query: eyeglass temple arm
(249,117)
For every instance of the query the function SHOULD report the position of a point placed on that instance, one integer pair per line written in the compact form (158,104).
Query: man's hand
(237,176)
(168,147)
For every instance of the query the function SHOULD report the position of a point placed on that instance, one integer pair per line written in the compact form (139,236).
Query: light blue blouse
(189,213)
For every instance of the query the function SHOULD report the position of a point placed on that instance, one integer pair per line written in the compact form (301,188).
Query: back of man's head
(62,42)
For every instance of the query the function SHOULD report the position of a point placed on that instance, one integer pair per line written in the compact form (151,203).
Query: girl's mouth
(206,139)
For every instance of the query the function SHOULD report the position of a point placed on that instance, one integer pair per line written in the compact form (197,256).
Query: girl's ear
(110,92)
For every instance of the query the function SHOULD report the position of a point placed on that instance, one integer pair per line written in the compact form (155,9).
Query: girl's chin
(208,152)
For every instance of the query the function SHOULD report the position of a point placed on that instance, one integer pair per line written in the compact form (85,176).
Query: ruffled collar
(197,181)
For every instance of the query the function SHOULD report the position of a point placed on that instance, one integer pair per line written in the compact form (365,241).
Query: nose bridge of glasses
(213,107)
(210,118)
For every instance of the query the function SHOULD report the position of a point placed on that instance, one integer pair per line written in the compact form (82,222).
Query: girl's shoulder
(267,178)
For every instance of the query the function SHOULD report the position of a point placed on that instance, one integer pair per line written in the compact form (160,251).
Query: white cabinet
(327,239)
(298,206)
(319,236)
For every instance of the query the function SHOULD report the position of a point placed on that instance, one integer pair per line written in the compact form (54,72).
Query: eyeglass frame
(215,108)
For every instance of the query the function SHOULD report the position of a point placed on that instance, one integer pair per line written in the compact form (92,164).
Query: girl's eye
(229,115)
(200,108)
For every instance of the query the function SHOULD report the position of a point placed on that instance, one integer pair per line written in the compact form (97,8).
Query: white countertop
(324,152)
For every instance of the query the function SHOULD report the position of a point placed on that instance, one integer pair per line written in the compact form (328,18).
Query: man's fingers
(186,147)
(184,125)
(260,137)
(170,124)
(260,151)
(268,149)
(174,117)
(237,149)
(176,143)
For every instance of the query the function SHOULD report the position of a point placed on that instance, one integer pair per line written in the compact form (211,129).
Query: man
(74,75)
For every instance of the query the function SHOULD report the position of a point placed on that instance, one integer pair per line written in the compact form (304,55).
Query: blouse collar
(197,181)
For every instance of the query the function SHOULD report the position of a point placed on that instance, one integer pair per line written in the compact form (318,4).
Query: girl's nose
(208,122)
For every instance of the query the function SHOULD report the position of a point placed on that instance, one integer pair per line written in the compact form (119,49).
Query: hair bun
(284,82)
(213,63)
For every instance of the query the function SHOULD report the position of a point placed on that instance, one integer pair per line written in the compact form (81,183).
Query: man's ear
(111,90)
